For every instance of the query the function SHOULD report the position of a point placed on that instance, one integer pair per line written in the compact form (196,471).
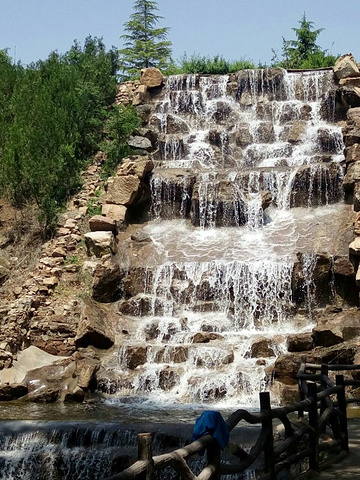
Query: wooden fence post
(324,372)
(341,398)
(213,458)
(145,453)
(314,432)
(267,426)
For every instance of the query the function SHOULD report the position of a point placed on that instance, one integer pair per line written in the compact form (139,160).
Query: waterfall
(54,450)
(246,164)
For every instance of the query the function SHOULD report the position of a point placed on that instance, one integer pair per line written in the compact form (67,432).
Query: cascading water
(246,163)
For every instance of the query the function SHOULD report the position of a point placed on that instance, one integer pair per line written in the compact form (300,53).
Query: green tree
(144,44)
(54,119)
(303,52)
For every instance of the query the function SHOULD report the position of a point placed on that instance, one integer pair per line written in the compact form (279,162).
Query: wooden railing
(310,434)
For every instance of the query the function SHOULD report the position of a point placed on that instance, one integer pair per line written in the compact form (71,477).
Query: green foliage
(197,63)
(93,207)
(303,52)
(121,122)
(144,44)
(51,122)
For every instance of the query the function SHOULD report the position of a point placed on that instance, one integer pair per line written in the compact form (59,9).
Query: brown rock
(151,77)
(100,243)
(138,165)
(114,212)
(300,342)
(168,378)
(353,153)
(123,190)
(107,281)
(135,356)
(141,96)
(172,354)
(297,131)
(100,223)
(94,328)
(263,348)
(352,175)
(206,337)
(345,66)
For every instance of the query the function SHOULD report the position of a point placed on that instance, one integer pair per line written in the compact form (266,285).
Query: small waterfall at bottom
(54,450)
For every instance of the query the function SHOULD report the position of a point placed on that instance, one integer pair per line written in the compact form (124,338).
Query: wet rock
(136,306)
(87,365)
(243,136)
(100,243)
(263,348)
(287,365)
(50,383)
(172,354)
(300,342)
(206,337)
(135,356)
(12,391)
(94,328)
(168,379)
(297,131)
(173,125)
(173,190)
(265,133)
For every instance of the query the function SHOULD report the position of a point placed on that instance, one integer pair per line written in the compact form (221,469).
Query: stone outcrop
(94,327)
(151,77)
(346,67)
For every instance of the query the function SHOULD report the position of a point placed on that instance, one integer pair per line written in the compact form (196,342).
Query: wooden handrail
(316,392)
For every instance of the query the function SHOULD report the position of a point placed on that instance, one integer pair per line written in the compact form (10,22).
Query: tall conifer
(144,44)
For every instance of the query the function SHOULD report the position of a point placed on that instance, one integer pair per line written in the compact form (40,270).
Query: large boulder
(151,77)
(123,190)
(345,66)
(107,281)
(94,327)
(100,243)
(138,165)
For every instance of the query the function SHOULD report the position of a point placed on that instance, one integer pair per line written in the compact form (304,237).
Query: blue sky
(236,29)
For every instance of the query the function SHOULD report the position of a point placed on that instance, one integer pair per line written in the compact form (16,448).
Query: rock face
(94,328)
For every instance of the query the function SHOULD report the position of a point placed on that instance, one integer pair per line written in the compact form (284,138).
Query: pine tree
(145,45)
(304,52)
